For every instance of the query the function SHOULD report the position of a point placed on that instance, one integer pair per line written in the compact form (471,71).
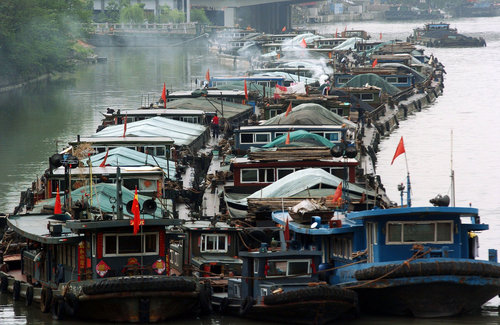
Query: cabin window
(274,112)
(160,151)
(278,134)
(391,80)
(264,292)
(131,183)
(256,266)
(214,243)
(419,232)
(99,149)
(366,97)
(266,175)
(262,137)
(150,151)
(124,244)
(332,136)
(341,81)
(284,268)
(282,172)
(249,175)
(246,138)
(403,80)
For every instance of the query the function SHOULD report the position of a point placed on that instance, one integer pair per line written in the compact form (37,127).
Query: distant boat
(441,35)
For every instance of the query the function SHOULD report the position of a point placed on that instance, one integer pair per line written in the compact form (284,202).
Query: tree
(199,16)
(133,14)
(168,15)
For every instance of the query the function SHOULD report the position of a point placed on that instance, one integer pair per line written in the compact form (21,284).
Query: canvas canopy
(122,156)
(348,44)
(371,79)
(300,138)
(419,78)
(309,114)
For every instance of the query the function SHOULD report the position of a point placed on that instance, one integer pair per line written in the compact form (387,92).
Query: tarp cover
(309,114)
(125,157)
(297,182)
(300,138)
(101,195)
(356,102)
(183,133)
(371,79)
(348,44)
(419,78)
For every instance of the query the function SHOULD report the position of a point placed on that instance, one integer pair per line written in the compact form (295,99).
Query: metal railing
(173,28)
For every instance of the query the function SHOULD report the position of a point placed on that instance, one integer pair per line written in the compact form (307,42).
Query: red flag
(399,150)
(287,141)
(375,62)
(57,205)
(246,90)
(207,75)
(345,29)
(164,96)
(125,126)
(289,109)
(303,44)
(337,196)
(380,36)
(283,29)
(136,210)
(103,164)
(336,32)
(287,230)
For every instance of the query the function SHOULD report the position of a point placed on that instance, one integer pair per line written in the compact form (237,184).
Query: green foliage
(81,52)
(170,16)
(36,35)
(133,14)
(199,16)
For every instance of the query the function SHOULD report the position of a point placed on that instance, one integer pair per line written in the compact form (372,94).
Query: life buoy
(45,299)
(246,305)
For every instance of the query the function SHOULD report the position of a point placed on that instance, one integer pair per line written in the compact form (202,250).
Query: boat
(100,267)
(280,285)
(417,261)
(441,35)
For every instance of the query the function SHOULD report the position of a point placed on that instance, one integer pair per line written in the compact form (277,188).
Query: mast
(452,176)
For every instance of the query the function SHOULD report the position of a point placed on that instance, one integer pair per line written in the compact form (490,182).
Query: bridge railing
(173,28)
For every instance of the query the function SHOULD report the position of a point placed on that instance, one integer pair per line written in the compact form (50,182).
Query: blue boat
(281,285)
(418,261)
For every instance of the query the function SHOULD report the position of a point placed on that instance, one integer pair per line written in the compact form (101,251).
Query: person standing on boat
(215,126)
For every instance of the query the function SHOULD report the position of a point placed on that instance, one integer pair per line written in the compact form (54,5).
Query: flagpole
(408,195)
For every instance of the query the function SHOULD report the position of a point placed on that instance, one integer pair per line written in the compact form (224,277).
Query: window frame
(309,269)
(403,223)
(249,169)
(203,243)
(143,240)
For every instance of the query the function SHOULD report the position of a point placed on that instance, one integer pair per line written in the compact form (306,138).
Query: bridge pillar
(229,16)
(268,18)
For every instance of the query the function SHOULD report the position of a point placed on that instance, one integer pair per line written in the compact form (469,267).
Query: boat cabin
(259,135)
(328,43)
(60,250)
(399,80)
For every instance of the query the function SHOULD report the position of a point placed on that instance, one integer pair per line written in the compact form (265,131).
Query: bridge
(268,16)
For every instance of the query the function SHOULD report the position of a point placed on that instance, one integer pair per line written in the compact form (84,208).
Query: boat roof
(307,114)
(182,133)
(373,80)
(207,225)
(35,227)
(209,92)
(110,170)
(414,211)
(230,109)
(156,112)
(287,127)
(125,157)
(299,138)
(281,217)
(281,254)
(127,140)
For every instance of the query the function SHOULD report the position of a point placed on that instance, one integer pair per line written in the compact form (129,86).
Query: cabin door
(371,239)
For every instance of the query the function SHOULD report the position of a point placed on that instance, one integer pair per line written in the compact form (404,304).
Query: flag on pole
(136,210)
(289,109)
(399,150)
(374,63)
(125,126)
(164,96)
(57,204)
(287,141)
(283,29)
(103,164)
(336,32)
(380,36)
(337,196)
(303,43)
(246,90)
(207,75)
(345,29)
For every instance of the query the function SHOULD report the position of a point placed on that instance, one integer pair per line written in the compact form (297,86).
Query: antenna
(452,176)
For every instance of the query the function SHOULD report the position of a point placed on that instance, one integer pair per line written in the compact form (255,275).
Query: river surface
(38,120)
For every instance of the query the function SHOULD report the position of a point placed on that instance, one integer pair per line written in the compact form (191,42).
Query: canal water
(38,120)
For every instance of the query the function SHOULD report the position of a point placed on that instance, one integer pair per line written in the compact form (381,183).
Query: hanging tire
(16,290)
(29,295)
(140,283)
(58,308)
(72,303)
(246,305)
(4,283)
(45,299)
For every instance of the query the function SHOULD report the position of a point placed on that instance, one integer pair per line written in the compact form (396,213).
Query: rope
(190,40)
(418,254)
